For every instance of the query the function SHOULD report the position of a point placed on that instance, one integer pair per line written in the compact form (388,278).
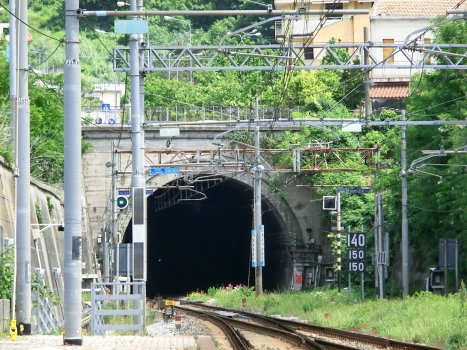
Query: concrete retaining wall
(47,247)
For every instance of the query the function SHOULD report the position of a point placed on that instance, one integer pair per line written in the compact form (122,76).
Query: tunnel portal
(197,244)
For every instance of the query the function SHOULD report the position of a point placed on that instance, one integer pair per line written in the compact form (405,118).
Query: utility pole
(114,228)
(73,207)
(13,76)
(23,183)
(405,234)
(138,182)
(366,78)
(380,254)
(105,251)
(339,237)
(257,205)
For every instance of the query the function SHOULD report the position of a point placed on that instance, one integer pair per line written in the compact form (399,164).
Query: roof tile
(389,91)
(414,8)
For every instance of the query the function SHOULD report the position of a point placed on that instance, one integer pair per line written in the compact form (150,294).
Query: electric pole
(257,208)
(138,181)
(23,182)
(73,205)
(405,234)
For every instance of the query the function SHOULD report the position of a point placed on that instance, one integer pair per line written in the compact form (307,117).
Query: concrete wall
(299,208)
(47,247)
(397,29)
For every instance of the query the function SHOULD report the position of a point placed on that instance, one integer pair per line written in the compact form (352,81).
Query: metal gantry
(279,57)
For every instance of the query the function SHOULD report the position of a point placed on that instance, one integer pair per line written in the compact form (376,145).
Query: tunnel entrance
(197,244)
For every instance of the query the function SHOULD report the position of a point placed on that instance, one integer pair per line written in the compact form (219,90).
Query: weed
(456,341)
(463,298)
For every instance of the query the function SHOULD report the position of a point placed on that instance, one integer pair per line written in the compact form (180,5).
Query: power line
(29,26)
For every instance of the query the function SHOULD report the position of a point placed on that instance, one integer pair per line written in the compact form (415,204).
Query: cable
(48,57)
(27,25)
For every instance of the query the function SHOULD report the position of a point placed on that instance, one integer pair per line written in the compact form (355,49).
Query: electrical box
(329,273)
(437,279)
(36,233)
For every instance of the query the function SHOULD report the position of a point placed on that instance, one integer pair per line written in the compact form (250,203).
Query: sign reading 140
(356,240)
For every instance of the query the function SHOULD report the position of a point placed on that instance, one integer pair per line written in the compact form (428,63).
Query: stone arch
(227,212)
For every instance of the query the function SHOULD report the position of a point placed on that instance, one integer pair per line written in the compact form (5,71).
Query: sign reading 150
(356,254)
(357,266)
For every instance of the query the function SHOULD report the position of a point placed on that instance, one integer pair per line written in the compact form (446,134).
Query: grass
(423,318)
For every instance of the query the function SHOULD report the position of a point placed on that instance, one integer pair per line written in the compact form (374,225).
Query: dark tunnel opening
(197,244)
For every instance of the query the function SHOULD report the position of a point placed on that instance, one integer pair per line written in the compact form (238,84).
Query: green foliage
(44,290)
(456,341)
(425,318)
(245,138)
(350,90)
(6,272)
(212,291)
(50,206)
(463,298)
(40,217)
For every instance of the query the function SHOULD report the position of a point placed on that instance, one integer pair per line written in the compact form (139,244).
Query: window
(309,54)
(332,7)
(388,50)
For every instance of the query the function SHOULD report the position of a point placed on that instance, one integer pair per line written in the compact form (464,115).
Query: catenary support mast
(23,182)
(73,207)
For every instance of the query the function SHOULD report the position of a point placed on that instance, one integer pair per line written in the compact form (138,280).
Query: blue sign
(359,190)
(131,26)
(164,171)
(127,192)
(111,121)
(105,107)
(353,190)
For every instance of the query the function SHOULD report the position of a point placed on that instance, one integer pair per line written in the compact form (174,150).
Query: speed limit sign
(356,240)
(356,252)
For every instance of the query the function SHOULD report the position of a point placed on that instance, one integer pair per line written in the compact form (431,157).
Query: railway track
(237,324)
(233,326)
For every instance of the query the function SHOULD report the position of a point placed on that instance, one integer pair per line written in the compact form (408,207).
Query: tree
(435,196)
(350,89)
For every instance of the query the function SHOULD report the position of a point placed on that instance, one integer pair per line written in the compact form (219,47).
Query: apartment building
(348,28)
(393,22)
(389,22)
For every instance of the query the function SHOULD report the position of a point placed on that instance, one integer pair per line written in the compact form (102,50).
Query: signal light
(329,203)
(122,202)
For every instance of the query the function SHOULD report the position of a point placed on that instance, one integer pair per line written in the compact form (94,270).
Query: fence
(4,315)
(46,319)
(189,113)
(98,300)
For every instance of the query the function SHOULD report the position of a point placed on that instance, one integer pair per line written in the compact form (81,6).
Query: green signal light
(122,202)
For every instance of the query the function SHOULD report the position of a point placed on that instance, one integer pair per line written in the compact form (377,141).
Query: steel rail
(288,336)
(237,340)
(329,332)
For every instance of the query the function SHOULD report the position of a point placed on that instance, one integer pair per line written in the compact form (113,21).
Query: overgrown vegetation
(422,318)
(6,272)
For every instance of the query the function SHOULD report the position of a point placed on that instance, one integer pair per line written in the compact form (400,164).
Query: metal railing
(188,114)
(47,321)
(98,311)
